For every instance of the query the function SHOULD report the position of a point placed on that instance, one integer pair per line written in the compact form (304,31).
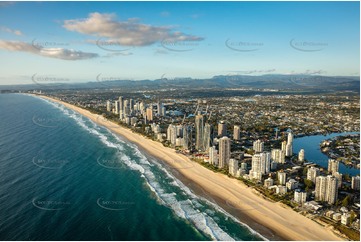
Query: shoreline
(265,217)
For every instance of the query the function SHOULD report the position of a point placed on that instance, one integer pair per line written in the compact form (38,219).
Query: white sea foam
(187,209)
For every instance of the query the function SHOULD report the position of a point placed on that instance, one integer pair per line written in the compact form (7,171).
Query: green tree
(346,201)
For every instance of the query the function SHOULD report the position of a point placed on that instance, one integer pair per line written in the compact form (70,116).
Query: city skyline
(154,40)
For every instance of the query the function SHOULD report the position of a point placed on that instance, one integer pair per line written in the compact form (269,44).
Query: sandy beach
(241,201)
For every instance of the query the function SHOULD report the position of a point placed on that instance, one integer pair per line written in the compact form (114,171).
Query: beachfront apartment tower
(222,129)
(233,167)
(258,146)
(116,106)
(236,132)
(149,114)
(224,152)
(281,176)
(199,131)
(260,165)
(333,166)
(206,136)
(312,173)
(109,106)
(326,189)
(213,156)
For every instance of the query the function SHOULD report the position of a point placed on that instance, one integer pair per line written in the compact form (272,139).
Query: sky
(91,41)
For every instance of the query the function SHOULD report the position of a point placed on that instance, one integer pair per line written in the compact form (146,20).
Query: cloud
(58,53)
(259,71)
(12,31)
(128,33)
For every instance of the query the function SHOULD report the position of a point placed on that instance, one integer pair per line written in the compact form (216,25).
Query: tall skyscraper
(116,106)
(312,173)
(281,177)
(126,108)
(121,104)
(258,146)
(159,108)
(172,134)
(260,165)
(289,146)
(187,137)
(109,106)
(278,155)
(222,129)
(284,146)
(301,155)
(206,136)
(326,189)
(233,167)
(332,189)
(290,138)
(224,151)
(199,131)
(355,183)
(236,132)
(339,178)
(213,156)
(150,114)
(333,166)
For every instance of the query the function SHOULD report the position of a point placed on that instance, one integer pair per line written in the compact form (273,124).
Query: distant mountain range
(271,81)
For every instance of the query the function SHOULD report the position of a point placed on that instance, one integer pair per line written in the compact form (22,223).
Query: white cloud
(12,31)
(59,53)
(128,33)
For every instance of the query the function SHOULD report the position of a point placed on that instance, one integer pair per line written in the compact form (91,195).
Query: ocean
(63,177)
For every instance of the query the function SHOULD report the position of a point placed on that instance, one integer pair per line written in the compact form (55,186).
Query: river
(311,145)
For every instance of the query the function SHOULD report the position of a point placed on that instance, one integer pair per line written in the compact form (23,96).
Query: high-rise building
(299,196)
(109,106)
(131,105)
(284,146)
(121,104)
(301,155)
(326,189)
(332,189)
(116,106)
(260,165)
(289,151)
(224,151)
(339,178)
(290,138)
(289,146)
(213,156)
(187,137)
(278,155)
(222,129)
(206,136)
(150,114)
(333,166)
(355,183)
(258,146)
(233,167)
(320,188)
(172,134)
(312,173)
(281,176)
(199,131)
(159,108)
(237,132)
(126,110)
(179,128)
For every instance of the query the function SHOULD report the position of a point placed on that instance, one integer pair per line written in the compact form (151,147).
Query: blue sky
(88,41)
